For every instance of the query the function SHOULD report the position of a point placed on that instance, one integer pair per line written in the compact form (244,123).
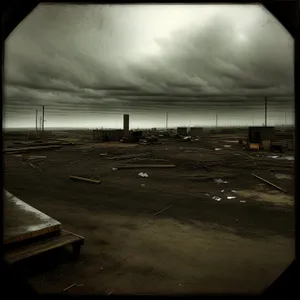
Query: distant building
(196,131)
(182,130)
(126,125)
(259,134)
(104,135)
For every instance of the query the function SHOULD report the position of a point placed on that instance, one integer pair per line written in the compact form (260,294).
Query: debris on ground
(143,184)
(204,166)
(273,156)
(159,212)
(143,142)
(219,180)
(139,159)
(268,182)
(103,154)
(243,201)
(158,159)
(149,140)
(38,142)
(216,198)
(231,197)
(283,176)
(17,155)
(143,174)
(144,166)
(227,146)
(212,176)
(129,156)
(69,287)
(187,138)
(289,157)
(234,191)
(37,157)
(34,166)
(85,179)
(248,155)
(16,150)
(217,149)
(114,169)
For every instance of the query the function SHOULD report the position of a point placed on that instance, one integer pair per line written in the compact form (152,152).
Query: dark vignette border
(286,12)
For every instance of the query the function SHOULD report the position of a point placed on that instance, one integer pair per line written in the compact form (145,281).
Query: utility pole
(36,121)
(285,118)
(43,118)
(167,121)
(40,123)
(266,110)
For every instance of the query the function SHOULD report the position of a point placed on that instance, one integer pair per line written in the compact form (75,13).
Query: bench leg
(76,250)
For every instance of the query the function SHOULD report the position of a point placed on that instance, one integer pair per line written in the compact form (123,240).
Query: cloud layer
(90,64)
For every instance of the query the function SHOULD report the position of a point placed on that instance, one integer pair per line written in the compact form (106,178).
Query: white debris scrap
(289,157)
(219,180)
(243,201)
(231,197)
(217,198)
(143,174)
(227,146)
(114,169)
(217,149)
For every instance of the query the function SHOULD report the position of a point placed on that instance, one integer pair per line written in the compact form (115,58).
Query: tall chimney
(266,110)
(126,125)
(40,123)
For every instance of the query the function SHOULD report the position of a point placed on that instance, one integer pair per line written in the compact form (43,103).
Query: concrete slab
(22,221)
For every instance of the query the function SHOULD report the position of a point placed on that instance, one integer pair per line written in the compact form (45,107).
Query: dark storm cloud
(212,61)
(93,58)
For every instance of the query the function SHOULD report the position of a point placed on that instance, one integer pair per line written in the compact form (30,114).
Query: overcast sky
(89,64)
